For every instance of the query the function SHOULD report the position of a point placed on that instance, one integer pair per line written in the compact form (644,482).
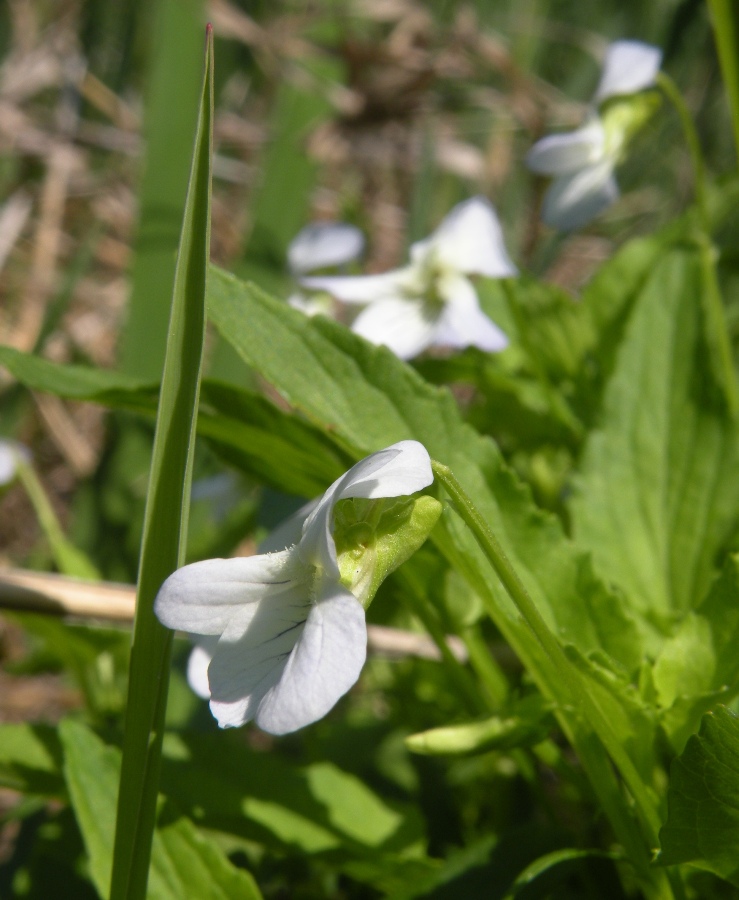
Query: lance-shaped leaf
(165,524)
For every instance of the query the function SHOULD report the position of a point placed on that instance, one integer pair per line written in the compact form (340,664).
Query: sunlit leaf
(184,863)
(659,490)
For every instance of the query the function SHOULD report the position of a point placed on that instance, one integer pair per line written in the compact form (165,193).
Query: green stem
(579,698)
(725,21)
(486,667)
(465,685)
(69,560)
(718,335)
(691,139)
(721,354)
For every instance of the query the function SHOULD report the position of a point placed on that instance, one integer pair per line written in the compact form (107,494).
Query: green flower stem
(486,667)
(465,686)
(580,698)
(721,355)
(69,560)
(718,335)
(725,21)
(691,138)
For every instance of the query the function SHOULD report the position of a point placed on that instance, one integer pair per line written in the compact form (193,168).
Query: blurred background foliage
(383,114)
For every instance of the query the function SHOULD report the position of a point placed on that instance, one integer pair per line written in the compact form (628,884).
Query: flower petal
(363,288)
(204,597)
(470,240)
(629,66)
(396,471)
(197,665)
(573,200)
(402,325)
(400,469)
(8,461)
(562,154)
(252,654)
(324,244)
(462,322)
(326,661)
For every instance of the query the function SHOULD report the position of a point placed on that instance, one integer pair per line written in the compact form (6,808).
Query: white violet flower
(321,245)
(582,162)
(431,301)
(285,637)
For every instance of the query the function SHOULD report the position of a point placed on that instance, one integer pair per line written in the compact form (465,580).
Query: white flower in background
(322,245)
(285,637)
(582,162)
(431,301)
(10,452)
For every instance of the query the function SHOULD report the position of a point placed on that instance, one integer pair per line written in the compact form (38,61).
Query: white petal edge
(629,66)
(326,661)
(402,325)
(204,597)
(8,461)
(362,288)
(396,471)
(324,244)
(197,665)
(573,200)
(463,323)
(469,239)
(563,154)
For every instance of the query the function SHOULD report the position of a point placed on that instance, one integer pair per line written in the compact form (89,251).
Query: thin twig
(43,592)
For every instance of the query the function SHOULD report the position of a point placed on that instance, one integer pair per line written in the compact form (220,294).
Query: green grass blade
(176,28)
(165,525)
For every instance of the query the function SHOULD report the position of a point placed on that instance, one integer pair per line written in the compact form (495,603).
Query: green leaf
(699,666)
(702,825)
(658,492)
(366,399)
(281,450)
(248,431)
(166,517)
(175,40)
(115,389)
(227,787)
(184,863)
(538,878)
(31,759)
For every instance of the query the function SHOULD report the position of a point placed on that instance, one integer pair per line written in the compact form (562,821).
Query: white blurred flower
(322,245)
(10,453)
(431,301)
(284,638)
(582,162)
